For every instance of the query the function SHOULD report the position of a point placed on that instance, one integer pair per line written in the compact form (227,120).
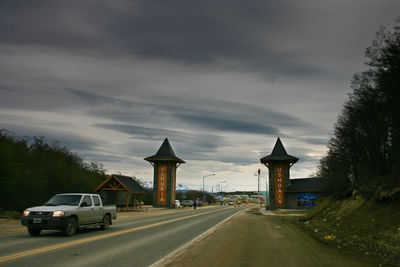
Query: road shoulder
(171,256)
(251,239)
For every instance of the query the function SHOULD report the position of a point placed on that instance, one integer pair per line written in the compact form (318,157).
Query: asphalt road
(129,242)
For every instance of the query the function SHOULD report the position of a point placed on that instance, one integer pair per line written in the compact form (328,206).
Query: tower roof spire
(278,148)
(279,154)
(165,152)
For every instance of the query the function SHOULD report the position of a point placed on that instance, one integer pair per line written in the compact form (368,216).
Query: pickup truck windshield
(57,200)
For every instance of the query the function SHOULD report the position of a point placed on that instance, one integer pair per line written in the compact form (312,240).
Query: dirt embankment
(357,224)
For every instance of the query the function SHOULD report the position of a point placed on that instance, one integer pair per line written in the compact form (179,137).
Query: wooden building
(290,193)
(305,193)
(119,189)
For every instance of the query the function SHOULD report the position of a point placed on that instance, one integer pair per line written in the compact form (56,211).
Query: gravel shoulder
(252,239)
(11,227)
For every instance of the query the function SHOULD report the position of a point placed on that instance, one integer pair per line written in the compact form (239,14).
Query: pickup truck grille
(41,213)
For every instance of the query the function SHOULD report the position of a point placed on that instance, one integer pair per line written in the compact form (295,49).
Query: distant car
(187,203)
(231,203)
(178,204)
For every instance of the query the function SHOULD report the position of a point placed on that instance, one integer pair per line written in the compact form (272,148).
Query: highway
(129,242)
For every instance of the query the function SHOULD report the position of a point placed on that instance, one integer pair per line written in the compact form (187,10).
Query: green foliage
(148,198)
(11,215)
(31,174)
(364,149)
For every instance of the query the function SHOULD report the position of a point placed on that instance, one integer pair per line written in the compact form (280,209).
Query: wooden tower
(278,164)
(165,164)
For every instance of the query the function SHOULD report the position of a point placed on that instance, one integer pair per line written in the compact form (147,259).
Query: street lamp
(221,191)
(266,187)
(204,197)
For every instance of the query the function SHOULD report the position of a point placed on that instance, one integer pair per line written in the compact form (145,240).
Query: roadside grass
(255,211)
(358,224)
(10,215)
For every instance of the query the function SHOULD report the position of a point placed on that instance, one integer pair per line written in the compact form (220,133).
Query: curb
(271,213)
(197,238)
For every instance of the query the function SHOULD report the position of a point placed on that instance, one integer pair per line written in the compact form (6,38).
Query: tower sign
(278,163)
(165,164)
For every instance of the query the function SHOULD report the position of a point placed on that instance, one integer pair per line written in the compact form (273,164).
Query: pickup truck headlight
(25,213)
(58,213)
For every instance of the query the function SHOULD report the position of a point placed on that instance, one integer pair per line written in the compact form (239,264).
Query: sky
(221,79)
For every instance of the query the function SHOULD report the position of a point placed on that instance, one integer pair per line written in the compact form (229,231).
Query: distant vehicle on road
(178,204)
(187,203)
(67,212)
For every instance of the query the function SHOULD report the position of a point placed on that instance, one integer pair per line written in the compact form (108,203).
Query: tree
(364,149)
(31,174)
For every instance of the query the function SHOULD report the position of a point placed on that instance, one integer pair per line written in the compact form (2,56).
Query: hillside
(30,173)
(367,226)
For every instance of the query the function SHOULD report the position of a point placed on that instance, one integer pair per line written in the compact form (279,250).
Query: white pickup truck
(67,212)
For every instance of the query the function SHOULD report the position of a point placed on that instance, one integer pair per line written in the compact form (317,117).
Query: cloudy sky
(221,79)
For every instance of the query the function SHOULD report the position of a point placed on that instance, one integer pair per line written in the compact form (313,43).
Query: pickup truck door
(98,210)
(85,210)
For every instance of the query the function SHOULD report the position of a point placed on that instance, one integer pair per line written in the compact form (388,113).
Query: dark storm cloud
(316,141)
(210,114)
(78,143)
(69,25)
(173,29)
(208,75)
(5,89)
(227,124)
(74,142)
(140,132)
(243,34)
(241,118)
(197,146)
(97,100)
(190,143)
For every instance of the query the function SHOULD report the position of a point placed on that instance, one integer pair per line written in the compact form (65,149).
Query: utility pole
(204,199)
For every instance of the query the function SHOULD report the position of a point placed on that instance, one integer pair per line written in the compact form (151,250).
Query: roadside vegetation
(364,150)
(362,208)
(31,173)
(366,226)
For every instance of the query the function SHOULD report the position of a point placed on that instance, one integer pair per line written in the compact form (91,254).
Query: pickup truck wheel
(106,222)
(34,231)
(70,227)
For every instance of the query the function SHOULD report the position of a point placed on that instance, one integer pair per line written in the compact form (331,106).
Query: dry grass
(357,224)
